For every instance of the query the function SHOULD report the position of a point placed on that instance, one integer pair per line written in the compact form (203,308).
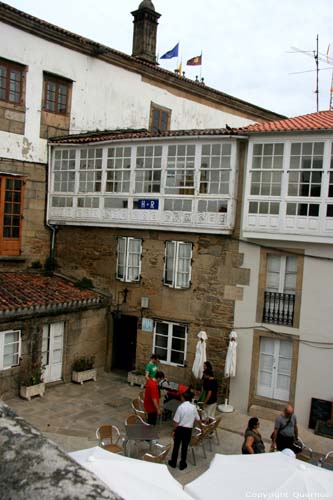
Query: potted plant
(83,369)
(135,377)
(31,380)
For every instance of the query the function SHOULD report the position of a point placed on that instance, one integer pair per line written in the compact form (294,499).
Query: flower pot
(81,377)
(135,378)
(27,392)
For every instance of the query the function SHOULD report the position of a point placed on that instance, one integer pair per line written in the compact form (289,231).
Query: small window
(56,95)
(129,259)
(11,82)
(170,341)
(10,348)
(178,262)
(159,119)
(11,203)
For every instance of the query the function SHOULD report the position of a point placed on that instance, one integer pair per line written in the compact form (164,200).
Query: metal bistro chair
(197,440)
(109,437)
(158,453)
(138,409)
(211,431)
(134,419)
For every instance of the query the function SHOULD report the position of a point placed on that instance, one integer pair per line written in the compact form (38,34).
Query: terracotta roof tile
(114,135)
(26,290)
(323,120)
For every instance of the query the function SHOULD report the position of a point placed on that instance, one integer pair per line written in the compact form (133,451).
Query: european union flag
(171,53)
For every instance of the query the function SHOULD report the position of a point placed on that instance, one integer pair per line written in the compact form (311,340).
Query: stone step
(263,412)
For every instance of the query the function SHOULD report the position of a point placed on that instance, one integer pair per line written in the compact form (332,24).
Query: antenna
(331,94)
(317,57)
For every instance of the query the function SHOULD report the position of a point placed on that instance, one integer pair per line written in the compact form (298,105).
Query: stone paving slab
(69,415)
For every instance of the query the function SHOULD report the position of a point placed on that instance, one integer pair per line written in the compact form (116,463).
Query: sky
(246,45)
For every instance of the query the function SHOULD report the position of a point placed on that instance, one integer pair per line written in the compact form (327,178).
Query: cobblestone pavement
(69,415)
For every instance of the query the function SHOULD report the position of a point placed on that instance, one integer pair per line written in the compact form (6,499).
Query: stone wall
(33,467)
(217,280)
(85,335)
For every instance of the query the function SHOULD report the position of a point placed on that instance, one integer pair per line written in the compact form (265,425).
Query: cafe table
(139,432)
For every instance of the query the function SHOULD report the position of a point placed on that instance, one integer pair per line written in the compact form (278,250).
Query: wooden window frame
(262,284)
(11,66)
(128,241)
(155,108)
(57,81)
(10,246)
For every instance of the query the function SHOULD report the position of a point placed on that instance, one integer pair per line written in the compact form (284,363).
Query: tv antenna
(317,56)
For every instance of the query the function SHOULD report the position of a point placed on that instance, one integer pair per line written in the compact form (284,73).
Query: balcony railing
(279,308)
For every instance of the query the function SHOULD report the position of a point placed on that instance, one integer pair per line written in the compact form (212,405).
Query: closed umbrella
(230,369)
(200,355)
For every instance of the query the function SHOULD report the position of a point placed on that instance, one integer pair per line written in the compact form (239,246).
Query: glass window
(90,177)
(266,172)
(56,95)
(159,119)
(306,165)
(64,171)
(177,268)
(11,206)
(129,259)
(118,170)
(11,82)
(148,169)
(215,169)
(170,342)
(10,348)
(180,170)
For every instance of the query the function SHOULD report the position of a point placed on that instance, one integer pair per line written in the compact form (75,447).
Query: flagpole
(201,64)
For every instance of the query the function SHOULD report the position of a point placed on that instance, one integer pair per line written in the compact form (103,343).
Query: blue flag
(171,53)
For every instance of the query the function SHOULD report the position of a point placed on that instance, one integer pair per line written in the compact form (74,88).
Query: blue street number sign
(148,204)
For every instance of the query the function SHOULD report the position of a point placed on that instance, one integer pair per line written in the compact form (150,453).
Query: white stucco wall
(315,362)
(104,96)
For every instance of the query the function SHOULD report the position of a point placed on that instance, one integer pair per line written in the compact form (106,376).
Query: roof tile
(26,290)
(322,120)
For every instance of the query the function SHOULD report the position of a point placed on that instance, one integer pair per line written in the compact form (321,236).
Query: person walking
(152,366)
(151,401)
(285,430)
(253,442)
(184,419)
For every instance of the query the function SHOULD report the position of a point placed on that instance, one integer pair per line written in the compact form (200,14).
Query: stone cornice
(55,34)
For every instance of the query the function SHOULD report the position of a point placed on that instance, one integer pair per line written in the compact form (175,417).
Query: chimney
(145,32)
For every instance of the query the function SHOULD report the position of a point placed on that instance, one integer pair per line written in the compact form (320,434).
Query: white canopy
(130,478)
(200,355)
(266,475)
(230,361)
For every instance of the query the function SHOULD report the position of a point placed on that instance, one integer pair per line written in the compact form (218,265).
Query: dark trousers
(182,437)
(152,417)
(283,442)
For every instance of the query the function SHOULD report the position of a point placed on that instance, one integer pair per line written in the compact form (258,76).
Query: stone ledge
(263,412)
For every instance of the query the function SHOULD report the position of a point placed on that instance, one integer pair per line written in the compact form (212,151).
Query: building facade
(284,321)
(150,219)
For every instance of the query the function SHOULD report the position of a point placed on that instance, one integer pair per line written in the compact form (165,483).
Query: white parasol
(230,369)
(200,355)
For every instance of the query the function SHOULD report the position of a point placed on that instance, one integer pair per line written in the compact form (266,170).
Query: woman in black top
(253,442)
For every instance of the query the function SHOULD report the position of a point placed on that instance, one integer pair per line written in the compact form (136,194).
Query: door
(52,351)
(124,343)
(274,368)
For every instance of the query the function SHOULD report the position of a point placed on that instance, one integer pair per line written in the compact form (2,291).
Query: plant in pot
(31,380)
(83,369)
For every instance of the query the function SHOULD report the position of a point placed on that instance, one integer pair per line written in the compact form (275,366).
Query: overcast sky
(246,44)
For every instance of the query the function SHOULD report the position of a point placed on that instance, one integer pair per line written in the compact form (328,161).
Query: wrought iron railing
(279,308)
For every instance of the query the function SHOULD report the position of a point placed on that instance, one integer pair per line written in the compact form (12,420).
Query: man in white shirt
(184,419)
